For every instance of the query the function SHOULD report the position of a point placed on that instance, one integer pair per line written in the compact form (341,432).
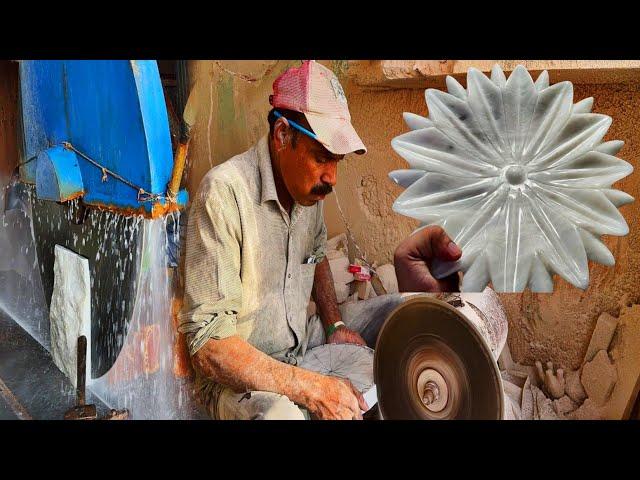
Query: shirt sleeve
(320,242)
(213,288)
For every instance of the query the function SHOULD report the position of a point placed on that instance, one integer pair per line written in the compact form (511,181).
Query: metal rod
(82,366)
(13,402)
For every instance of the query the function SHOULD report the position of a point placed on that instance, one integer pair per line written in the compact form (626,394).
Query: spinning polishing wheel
(431,362)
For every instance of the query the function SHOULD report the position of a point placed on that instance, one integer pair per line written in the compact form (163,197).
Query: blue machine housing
(114,112)
(58,176)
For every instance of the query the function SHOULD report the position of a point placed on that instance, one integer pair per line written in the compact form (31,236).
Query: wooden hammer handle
(81,370)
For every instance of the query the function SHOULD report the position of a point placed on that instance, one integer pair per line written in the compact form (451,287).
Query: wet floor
(31,386)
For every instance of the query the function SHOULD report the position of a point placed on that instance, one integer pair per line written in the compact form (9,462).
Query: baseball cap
(314,90)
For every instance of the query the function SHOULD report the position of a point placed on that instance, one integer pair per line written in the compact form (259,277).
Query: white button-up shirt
(246,269)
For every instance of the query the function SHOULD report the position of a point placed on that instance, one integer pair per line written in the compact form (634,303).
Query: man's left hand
(345,335)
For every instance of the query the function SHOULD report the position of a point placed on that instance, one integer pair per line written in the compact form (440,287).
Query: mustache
(321,189)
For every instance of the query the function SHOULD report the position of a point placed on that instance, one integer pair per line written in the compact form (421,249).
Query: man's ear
(280,131)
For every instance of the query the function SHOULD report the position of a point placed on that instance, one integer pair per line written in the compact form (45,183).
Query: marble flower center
(515,175)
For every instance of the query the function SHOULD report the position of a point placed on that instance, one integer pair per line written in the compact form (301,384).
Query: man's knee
(280,408)
(366,317)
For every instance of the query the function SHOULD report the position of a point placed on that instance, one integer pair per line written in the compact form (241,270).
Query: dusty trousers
(365,317)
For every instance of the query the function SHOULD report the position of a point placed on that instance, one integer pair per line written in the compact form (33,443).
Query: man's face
(309,170)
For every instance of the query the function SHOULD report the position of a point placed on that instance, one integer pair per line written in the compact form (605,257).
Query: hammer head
(81,412)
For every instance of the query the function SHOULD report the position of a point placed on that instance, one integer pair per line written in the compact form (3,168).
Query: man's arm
(234,362)
(213,296)
(324,294)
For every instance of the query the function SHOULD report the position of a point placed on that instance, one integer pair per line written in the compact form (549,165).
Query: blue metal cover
(114,112)
(58,176)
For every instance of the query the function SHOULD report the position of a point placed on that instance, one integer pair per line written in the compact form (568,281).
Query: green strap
(332,328)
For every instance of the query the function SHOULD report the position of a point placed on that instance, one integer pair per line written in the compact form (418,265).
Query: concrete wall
(233,99)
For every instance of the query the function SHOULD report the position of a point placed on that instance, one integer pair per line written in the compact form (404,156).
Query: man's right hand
(336,399)
(413,258)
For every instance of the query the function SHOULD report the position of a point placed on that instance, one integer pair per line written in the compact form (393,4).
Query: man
(255,254)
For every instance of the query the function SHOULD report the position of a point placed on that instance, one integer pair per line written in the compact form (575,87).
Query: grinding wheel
(430,362)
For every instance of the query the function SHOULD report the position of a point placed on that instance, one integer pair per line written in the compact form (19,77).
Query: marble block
(70,312)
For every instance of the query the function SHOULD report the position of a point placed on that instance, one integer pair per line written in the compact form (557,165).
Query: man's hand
(336,399)
(413,257)
(345,335)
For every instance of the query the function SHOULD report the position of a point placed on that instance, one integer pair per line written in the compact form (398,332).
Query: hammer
(81,411)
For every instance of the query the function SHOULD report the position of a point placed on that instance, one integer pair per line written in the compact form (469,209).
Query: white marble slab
(70,312)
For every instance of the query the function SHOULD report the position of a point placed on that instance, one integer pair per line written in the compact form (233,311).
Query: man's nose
(330,174)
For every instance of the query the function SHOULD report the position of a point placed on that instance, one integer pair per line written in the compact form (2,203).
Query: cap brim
(336,134)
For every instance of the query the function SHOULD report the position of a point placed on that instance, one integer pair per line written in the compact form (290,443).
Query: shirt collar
(268,184)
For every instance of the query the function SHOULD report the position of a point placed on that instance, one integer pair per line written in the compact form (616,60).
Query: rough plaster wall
(558,326)
(364,189)
(554,327)
(233,102)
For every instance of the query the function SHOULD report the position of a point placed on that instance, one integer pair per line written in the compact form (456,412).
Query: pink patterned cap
(315,91)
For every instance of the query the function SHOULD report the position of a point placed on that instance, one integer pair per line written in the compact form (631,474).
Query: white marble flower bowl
(518,175)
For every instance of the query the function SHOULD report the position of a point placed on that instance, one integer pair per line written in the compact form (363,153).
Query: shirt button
(289,276)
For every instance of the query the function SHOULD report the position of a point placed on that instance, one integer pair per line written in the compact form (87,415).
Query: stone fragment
(514,379)
(624,352)
(337,244)
(339,270)
(599,376)
(554,384)
(512,391)
(564,405)
(511,409)
(602,335)
(524,372)
(587,411)
(363,290)
(352,298)
(505,361)
(543,406)
(342,292)
(526,407)
(387,274)
(333,254)
(573,386)
(70,311)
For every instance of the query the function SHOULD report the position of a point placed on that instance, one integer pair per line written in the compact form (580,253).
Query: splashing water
(144,378)
(21,293)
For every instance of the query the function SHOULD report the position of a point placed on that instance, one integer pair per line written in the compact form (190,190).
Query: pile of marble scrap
(347,288)
(594,391)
